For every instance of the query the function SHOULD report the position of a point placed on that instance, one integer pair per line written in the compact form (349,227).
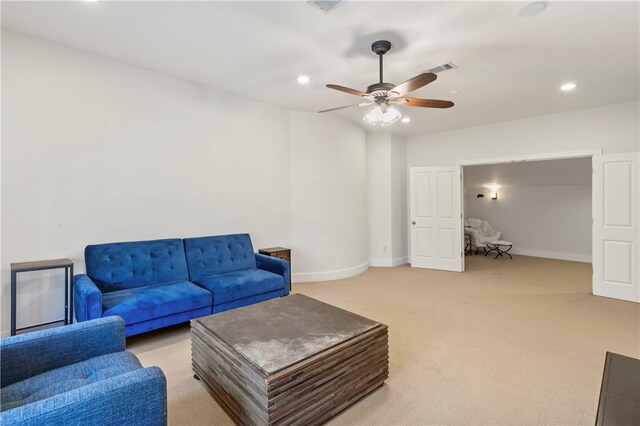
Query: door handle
(413,222)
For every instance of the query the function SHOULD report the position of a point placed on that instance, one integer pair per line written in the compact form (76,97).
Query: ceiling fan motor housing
(381,47)
(379,87)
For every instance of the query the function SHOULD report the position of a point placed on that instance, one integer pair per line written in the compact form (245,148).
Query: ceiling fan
(384,96)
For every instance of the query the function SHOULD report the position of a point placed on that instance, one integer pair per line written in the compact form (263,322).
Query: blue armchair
(78,374)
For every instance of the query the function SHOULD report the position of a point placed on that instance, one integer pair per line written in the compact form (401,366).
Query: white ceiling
(576,171)
(509,67)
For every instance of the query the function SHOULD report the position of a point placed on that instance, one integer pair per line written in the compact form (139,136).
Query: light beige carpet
(508,342)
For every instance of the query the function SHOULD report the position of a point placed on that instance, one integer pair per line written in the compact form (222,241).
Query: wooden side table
(43,265)
(281,253)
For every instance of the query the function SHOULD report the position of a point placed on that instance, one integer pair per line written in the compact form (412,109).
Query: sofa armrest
(138,397)
(87,298)
(277,266)
(26,355)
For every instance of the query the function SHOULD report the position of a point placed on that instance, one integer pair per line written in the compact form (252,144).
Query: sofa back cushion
(208,256)
(119,266)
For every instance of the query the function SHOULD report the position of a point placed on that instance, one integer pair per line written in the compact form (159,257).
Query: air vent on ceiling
(326,5)
(446,67)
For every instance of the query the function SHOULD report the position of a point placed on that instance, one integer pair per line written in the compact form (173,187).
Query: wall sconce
(494,195)
(480,196)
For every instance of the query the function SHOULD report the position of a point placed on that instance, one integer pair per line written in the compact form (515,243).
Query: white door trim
(532,157)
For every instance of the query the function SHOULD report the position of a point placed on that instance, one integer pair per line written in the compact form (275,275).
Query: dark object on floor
(292,360)
(620,392)
(43,265)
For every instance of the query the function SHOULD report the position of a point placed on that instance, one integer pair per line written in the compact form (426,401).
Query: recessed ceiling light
(302,79)
(406,120)
(567,87)
(533,9)
(454,92)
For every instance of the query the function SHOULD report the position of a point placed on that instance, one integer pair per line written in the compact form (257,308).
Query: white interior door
(436,218)
(615,226)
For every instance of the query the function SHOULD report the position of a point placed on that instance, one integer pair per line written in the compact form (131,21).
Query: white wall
(543,221)
(329,204)
(387,198)
(399,213)
(615,128)
(94,150)
(379,197)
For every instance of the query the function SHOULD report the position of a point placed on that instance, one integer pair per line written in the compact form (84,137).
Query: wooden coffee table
(292,360)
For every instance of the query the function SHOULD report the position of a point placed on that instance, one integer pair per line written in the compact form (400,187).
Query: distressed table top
(278,333)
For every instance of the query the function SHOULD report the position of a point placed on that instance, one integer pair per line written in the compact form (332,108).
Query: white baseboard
(302,277)
(552,255)
(389,262)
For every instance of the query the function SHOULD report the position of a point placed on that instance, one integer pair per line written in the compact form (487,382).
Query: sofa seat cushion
(67,378)
(240,284)
(154,301)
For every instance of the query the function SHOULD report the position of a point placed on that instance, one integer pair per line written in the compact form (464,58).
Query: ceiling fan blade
(347,106)
(426,103)
(413,84)
(347,90)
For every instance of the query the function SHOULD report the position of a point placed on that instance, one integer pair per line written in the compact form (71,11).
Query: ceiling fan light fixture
(374,116)
(390,116)
(383,115)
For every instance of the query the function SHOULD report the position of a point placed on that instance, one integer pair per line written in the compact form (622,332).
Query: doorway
(437,237)
(535,208)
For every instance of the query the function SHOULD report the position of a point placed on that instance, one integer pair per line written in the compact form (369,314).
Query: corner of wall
(329,197)
(387,195)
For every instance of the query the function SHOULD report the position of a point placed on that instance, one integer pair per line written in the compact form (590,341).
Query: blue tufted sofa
(153,284)
(78,374)
(233,273)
